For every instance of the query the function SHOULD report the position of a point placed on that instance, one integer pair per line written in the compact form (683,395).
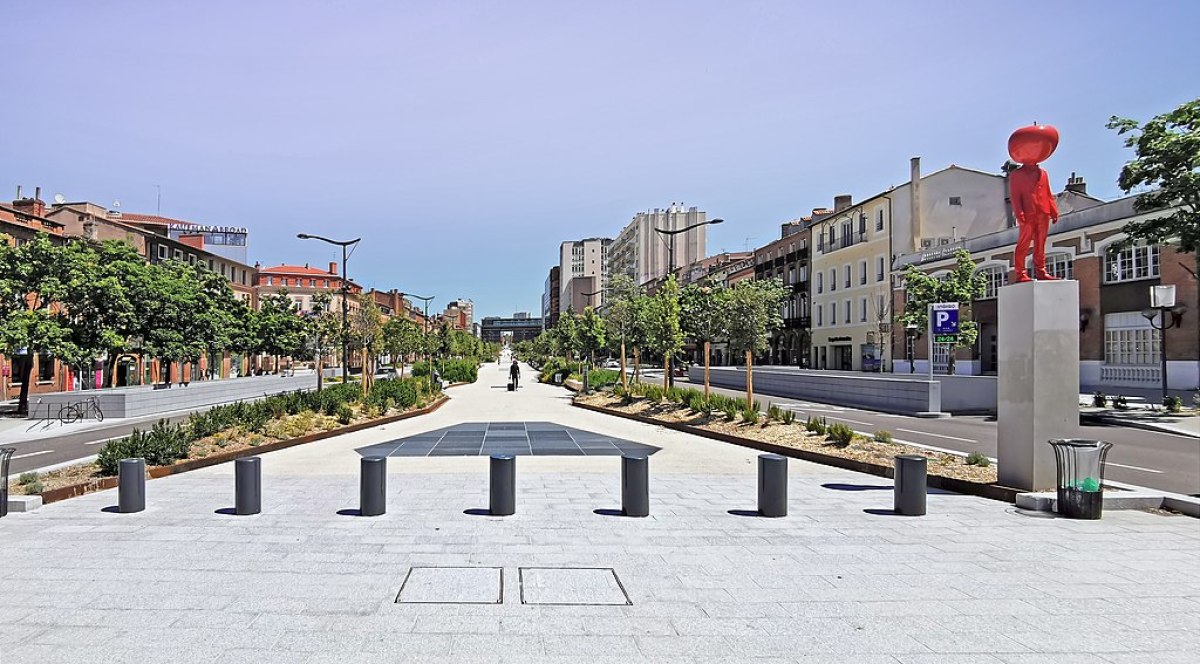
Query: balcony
(842,242)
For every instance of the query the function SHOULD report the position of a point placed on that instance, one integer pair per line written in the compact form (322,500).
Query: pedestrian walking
(514,374)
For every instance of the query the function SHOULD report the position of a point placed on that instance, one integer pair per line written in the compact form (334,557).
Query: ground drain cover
(594,586)
(452,585)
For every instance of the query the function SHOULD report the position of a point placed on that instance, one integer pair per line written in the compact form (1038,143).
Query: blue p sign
(945,321)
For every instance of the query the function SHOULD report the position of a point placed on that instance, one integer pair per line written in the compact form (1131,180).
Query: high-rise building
(460,314)
(583,269)
(645,255)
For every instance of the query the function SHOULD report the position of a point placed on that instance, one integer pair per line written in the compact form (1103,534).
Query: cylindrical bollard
(635,485)
(772,485)
(910,484)
(502,499)
(247,483)
(372,488)
(131,485)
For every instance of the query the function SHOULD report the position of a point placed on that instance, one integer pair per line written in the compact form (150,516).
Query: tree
(962,285)
(1168,159)
(366,332)
(704,311)
(620,314)
(282,332)
(94,300)
(401,338)
(31,322)
(754,313)
(566,338)
(663,335)
(590,335)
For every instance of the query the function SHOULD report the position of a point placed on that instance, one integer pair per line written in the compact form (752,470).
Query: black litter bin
(1080,476)
(5,456)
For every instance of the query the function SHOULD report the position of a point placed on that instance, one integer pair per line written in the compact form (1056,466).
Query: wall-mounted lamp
(1084,316)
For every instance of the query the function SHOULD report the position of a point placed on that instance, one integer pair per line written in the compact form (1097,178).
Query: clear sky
(463,141)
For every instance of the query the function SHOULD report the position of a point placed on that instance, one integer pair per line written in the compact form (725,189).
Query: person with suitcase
(514,374)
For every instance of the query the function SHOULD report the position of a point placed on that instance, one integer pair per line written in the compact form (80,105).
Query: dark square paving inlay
(515,438)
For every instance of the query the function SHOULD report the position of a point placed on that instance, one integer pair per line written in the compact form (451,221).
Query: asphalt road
(1170,462)
(53,450)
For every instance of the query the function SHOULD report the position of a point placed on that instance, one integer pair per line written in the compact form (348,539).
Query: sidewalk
(700,580)
(1142,415)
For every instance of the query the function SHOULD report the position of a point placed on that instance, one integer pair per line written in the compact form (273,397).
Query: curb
(1132,424)
(989,491)
(155,472)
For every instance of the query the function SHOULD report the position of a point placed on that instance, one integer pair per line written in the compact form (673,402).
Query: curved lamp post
(1162,302)
(344,244)
(425,331)
(671,267)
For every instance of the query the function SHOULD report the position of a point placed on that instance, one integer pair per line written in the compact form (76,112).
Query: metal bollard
(131,486)
(372,488)
(502,498)
(635,485)
(910,484)
(247,483)
(772,485)
(6,454)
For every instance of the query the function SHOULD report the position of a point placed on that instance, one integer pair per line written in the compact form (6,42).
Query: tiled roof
(153,219)
(295,269)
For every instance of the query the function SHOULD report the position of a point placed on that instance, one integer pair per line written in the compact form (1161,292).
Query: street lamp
(1162,302)
(344,244)
(425,330)
(910,332)
(671,268)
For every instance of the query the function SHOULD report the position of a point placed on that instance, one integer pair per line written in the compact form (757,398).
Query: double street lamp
(344,244)
(671,266)
(425,331)
(1162,302)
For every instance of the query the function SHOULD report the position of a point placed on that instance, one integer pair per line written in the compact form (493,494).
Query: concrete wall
(873,392)
(144,400)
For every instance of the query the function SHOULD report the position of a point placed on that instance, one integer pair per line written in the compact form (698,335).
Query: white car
(612,364)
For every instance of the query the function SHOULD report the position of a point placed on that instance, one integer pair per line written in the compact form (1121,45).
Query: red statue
(1032,201)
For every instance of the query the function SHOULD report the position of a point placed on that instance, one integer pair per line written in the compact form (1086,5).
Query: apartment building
(855,245)
(583,269)
(787,259)
(550,298)
(645,255)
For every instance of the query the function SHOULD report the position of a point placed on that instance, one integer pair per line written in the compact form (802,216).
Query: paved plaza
(703,579)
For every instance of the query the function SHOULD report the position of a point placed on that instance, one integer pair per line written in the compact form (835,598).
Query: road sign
(945,338)
(944,318)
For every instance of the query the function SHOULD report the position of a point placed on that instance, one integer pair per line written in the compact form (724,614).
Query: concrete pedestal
(1038,382)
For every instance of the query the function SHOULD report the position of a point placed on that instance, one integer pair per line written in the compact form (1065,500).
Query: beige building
(583,268)
(643,254)
(855,247)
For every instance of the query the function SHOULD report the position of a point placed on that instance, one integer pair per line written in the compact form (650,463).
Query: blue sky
(464,141)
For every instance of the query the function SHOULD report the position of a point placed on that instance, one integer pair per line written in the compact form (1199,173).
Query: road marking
(1118,465)
(866,424)
(938,435)
(23,456)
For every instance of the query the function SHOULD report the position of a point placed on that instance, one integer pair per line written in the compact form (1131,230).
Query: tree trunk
(666,370)
(707,351)
(637,364)
(749,379)
(26,375)
(624,381)
(320,371)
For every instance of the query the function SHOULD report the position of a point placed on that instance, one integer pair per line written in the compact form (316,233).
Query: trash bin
(1080,476)
(558,377)
(5,456)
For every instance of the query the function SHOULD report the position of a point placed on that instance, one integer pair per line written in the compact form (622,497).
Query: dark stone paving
(515,438)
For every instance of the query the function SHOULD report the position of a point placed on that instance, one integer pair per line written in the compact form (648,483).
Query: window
(820,282)
(819,310)
(846,273)
(162,252)
(847,312)
(862,273)
(994,276)
(1130,339)
(45,372)
(791,275)
(833,313)
(222,269)
(862,223)
(192,259)
(956,200)
(863,310)
(210,264)
(270,281)
(1139,262)
(327,283)
(847,232)
(879,269)
(879,219)
(833,280)
(178,255)
(243,277)
(312,283)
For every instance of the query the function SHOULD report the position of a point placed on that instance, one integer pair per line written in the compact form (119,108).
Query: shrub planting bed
(227,432)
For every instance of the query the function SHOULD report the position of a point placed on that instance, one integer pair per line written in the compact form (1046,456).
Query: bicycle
(83,410)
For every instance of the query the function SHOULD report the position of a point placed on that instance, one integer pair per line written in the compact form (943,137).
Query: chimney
(333,267)
(1076,184)
(915,203)
(842,201)
(33,206)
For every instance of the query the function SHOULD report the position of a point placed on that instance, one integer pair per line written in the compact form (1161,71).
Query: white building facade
(583,268)
(644,255)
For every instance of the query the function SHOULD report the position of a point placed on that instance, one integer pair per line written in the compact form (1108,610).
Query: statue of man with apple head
(1032,201)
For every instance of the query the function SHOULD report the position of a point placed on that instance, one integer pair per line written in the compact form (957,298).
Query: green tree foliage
(962,285)
(620,316)
(282,332)
(704,313)
(401,339)
(660,324)
(1168,160)
(754,313)
(590,332)
(565,335)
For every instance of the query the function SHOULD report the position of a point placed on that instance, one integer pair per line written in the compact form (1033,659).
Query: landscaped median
(731,420)
(228,432)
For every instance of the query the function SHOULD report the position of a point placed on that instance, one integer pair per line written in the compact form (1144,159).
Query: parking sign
(943,318)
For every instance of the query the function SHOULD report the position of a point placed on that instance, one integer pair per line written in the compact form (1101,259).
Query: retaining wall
(874,392)
(143,400)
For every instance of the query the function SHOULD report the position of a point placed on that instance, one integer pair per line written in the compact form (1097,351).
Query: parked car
(612,364)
